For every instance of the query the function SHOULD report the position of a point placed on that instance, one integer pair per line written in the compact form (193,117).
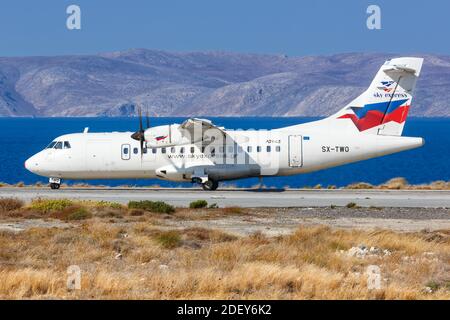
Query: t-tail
(383,108)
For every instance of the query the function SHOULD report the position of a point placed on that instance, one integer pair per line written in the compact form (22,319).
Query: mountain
(203,84)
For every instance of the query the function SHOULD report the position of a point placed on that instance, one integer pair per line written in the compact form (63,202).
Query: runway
(245,198)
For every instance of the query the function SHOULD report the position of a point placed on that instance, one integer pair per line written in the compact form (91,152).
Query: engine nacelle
(167,136)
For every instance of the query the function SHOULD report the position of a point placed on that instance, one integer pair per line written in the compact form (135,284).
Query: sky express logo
(389,87)
(390,95)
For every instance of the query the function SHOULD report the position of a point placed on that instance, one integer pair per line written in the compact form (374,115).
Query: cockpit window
(59,145)
(51,145)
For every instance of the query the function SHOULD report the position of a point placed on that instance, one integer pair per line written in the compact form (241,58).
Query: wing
(200,129)
(205,124)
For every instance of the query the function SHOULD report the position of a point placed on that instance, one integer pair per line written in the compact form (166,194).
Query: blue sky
(291,27)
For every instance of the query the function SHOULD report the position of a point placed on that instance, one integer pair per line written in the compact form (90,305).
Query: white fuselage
(197,150)
(286,151)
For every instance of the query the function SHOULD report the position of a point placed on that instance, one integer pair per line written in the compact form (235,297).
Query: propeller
(139,135)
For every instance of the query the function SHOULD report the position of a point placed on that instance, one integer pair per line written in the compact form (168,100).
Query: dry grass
(10,204)
(360,185)
(401,183)
(138,258)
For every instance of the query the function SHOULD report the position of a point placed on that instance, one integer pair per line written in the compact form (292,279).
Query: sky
(291,27)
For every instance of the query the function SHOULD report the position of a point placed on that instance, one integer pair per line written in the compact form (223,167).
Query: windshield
(51,145)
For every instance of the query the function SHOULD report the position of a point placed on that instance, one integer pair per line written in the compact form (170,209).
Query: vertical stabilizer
(382,109)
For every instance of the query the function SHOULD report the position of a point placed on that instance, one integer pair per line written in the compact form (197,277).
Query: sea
(20,138)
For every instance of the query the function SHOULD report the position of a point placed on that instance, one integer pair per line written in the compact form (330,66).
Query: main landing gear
(207,184)
(210,185)
(55,183)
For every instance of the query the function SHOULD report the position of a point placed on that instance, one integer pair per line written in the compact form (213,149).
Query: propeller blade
(139,135)
(140,120)
(142,146)
(136,135)
(147,119)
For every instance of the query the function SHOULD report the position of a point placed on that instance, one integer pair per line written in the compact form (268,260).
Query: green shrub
(47,205)
(198,204)
(433,285)
(351,205)
(168,239)
(107,204)
(152,206)
(10,204)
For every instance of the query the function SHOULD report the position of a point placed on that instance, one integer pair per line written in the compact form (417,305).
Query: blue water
(22,137)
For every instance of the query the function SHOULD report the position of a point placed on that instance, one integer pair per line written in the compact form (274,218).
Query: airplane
(199,151)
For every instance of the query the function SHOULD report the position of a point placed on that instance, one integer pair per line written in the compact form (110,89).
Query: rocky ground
(279,221)
(148,251)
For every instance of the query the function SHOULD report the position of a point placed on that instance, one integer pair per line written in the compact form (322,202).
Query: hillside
(203,83)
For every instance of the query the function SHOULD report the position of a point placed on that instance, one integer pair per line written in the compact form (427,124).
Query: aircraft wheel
(54,186)
(210,185)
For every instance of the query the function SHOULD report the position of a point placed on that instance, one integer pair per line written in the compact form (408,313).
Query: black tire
(54,186)
(210,185)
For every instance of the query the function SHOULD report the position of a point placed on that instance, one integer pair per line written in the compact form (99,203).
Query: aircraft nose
(31,164)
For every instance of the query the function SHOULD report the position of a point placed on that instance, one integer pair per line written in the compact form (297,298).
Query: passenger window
(125,150)
(153,150)
(239,149)
(163,150)
(182,150)
(203,149)
(268,149)
(230,149)
(144,150)
(51,145)
(192,149)
(58,145)
(277,148)
(221,149)
(212,150)
(258,149)
(135,150)
(66,145)
(172,150)
(249,149)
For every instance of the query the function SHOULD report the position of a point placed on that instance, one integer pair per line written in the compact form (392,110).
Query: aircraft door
(295,151)
(126,152)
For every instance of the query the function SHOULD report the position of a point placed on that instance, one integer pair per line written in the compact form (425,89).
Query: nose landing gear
(54,186)
(55,183)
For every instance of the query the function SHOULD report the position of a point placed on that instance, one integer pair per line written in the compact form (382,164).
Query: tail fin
(382,109)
